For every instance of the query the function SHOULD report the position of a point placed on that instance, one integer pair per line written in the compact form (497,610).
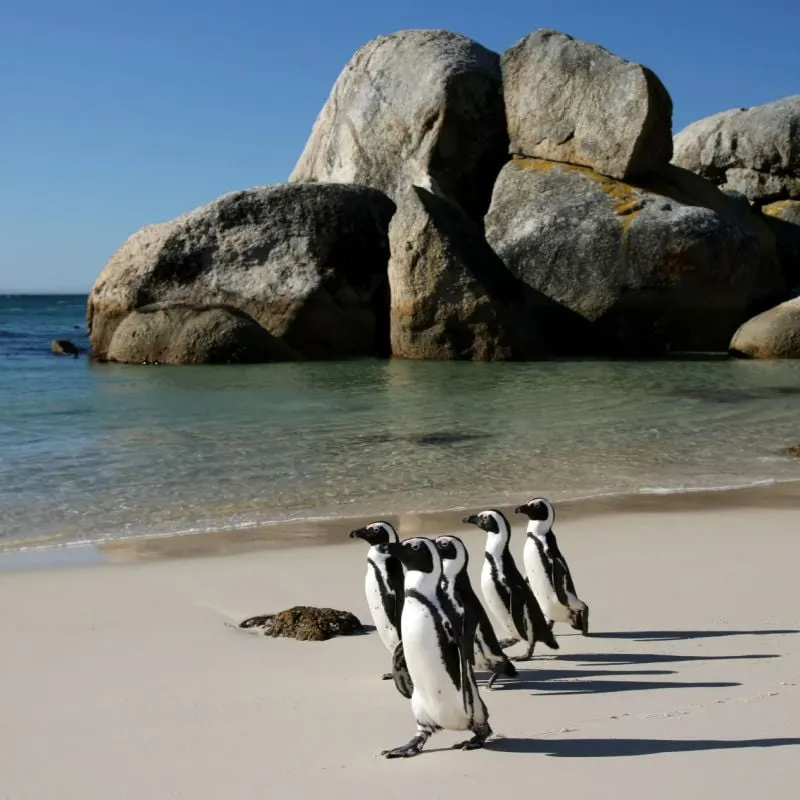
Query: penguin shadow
(677,636)
(627,659)
(595,681)
(618,748)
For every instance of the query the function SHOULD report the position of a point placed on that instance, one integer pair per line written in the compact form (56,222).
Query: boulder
(629,270)
(576,102)
(420,107)
(771,334)
(783,218)
(183,334)
(755,150)
(63,347)
(305,263)
(451,296)
(794,450)
(306,623)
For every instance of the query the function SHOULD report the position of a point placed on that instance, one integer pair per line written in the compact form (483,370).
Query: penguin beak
(472,519)
(519,510)
(358,534)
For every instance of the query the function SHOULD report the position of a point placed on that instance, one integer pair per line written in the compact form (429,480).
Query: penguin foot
(387,676)
(407,750)
(528,654)
(482,733)
(585,621)
(507,643)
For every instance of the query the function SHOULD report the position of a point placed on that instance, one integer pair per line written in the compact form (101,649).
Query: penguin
(437,651)
(547,570)
(383,585)
(487,654)
(507,594)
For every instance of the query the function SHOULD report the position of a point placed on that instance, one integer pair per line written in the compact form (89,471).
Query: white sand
(123,682)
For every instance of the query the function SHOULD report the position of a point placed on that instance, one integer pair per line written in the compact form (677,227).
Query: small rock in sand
(306,623)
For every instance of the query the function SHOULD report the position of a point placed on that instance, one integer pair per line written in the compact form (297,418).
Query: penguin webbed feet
(482,733)
(580,621)
(407,750)
(387,676)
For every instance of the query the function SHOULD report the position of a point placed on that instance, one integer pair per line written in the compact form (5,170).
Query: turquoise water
(89,452)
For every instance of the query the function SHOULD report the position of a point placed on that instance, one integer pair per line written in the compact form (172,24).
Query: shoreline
(332,531)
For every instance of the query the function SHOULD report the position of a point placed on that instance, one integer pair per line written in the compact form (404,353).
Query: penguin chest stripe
(386,595)
(499,585)
(445,638)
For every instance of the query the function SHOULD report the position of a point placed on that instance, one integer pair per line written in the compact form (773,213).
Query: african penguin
(487,654)
(547,569)
(507,593)
(437,653)
(383,583)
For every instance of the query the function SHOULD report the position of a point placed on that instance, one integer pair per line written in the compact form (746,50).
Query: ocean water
(90,452)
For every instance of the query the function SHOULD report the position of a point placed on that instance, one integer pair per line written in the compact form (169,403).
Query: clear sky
(117,114)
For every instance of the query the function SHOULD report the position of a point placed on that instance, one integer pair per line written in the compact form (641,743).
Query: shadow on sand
(616,748)
(676,636)
(623,659)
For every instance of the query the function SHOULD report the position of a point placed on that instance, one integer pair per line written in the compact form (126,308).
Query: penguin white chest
(496,605)
(540,583)
(372,589)
(435,700)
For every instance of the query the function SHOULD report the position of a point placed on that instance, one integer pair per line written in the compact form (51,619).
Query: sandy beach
(123,680)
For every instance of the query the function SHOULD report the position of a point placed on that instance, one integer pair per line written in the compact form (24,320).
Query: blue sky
(115,115)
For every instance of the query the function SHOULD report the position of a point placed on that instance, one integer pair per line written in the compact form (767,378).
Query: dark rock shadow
(677,636)
(616,748)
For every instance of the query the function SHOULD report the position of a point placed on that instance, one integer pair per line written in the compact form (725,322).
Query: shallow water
(89,452)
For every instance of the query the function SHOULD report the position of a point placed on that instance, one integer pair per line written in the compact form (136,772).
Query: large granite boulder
(420,107)
(184,334)
(306,263)
(783,218)
(755,150)
(576,102)
(451,296)
(771,334)
(672,265)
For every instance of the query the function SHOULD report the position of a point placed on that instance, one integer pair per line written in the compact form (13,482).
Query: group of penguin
(436,629)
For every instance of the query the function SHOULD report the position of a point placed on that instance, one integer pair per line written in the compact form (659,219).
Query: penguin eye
(415,545)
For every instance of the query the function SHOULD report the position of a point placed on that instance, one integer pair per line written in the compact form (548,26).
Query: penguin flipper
(400,674)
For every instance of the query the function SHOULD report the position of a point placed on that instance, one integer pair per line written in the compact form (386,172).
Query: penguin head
(453,553)
(538,510)
(376,533)
(417,555)
(493,522)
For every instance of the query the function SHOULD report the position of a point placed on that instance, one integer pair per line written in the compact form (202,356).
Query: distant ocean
(90,452)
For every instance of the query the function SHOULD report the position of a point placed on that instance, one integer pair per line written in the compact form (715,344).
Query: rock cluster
(453,203)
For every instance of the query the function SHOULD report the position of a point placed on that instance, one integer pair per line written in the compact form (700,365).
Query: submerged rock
(771,334)
(754,150)
(794,450)
(451,296)
(307,264)
(184,334)
(306,623)
(669,265)
(420,107)
(576,102)
(63,347)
